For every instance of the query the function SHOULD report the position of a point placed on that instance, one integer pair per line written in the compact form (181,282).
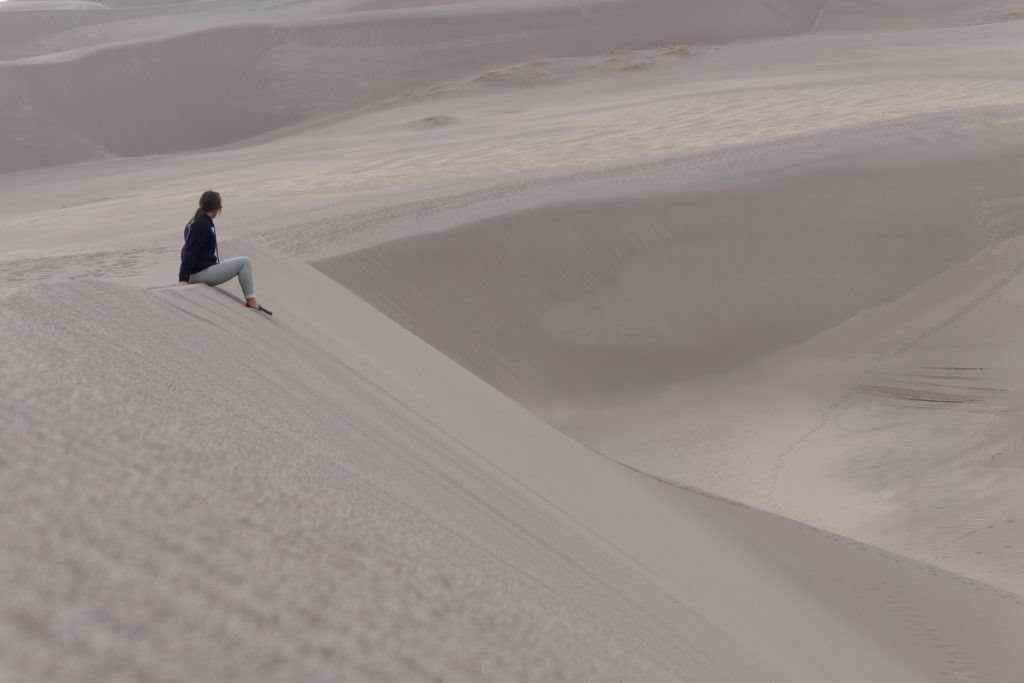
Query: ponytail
(208,203)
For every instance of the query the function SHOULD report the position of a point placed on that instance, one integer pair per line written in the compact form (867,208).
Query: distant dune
(40,5)
(209,87)
(629,292)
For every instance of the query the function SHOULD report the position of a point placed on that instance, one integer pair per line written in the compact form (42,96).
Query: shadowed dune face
(617,297)
(221,85)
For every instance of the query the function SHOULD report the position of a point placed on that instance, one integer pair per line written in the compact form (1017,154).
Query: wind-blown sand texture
(621,340)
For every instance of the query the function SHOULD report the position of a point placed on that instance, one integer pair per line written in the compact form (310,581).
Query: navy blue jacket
(200,250)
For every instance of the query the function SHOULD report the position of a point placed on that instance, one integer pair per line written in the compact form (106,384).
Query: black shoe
(260,308)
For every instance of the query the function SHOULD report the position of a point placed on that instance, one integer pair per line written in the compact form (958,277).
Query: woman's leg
(220,273)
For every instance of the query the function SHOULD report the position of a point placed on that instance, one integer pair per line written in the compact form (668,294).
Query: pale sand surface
(340,516)
(694,290)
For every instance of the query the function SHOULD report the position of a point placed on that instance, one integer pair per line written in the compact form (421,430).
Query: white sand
(783,271)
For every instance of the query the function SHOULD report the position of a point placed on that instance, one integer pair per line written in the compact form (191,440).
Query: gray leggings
(220,273)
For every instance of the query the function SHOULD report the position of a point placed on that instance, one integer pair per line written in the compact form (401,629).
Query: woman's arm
(198,235)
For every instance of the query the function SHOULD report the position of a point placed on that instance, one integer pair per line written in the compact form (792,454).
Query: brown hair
(208,203)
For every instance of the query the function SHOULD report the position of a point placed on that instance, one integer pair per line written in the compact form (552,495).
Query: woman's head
(209,203)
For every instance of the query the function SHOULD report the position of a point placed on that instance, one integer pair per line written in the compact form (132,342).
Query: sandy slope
(264,547)
(621,342)
(610,303)
(580,302)
(310,447)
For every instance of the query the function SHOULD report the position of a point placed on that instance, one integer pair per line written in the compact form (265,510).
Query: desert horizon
(611,340)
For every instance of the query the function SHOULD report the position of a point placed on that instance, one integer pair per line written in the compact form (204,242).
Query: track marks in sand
(957,665)
(999,218)
(983,537)
(830,413)
(987,295)
(932,387)
(834,410)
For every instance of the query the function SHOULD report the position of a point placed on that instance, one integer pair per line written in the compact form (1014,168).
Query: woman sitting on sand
(199,260)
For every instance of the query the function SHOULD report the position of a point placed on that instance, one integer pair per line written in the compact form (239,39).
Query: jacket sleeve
(198,235)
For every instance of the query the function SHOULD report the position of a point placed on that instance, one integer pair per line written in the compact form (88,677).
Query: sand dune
(578,301)
(859,15)
(614,341)
(670,345)
(391,474)
(40,5)
(209,87)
